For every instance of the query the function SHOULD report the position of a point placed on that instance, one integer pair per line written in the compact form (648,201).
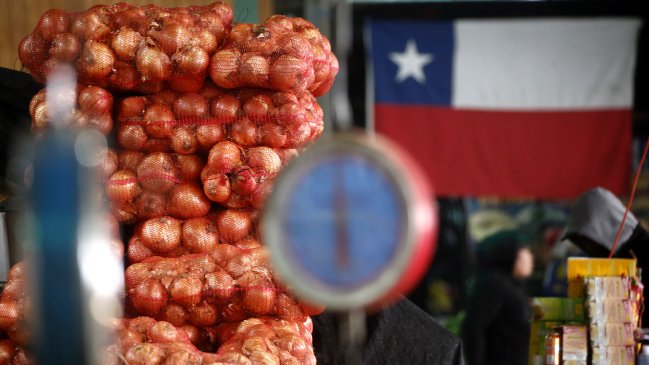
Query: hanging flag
(508,107)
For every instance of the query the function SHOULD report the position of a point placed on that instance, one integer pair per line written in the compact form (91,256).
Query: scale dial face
(339,224)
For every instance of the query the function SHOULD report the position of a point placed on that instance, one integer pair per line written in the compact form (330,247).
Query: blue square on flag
(412,61)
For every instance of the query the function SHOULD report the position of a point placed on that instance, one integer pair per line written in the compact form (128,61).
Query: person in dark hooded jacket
(496,328)
(595,218)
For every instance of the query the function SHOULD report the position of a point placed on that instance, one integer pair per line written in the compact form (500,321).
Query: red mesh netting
(129,48)
(283,53)
(94,109)
(191,122)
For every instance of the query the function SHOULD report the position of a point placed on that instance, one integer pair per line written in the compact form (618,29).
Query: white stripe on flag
(568,63)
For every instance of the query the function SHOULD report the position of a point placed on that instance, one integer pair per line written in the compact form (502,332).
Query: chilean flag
(532,108)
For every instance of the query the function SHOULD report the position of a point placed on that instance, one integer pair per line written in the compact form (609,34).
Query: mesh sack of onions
(93,109)
(268,340)
(167,236)
(147,185)
(240,177)
(227,285)
(129,48)
(287,54)
(187,123)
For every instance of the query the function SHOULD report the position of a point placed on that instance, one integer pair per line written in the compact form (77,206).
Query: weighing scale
(350,223)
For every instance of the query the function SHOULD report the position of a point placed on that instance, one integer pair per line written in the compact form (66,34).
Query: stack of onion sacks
(205,118)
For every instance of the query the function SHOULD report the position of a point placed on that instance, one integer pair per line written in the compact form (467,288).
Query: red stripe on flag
(540,154)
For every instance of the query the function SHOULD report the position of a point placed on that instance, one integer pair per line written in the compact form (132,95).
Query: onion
(287,308)
(206,40)
(224,156)
(244,132)
(53,22)
(163,332)
(101,122)
(239,265)
(217,187)
(190,166)
(259,196)
(188,200)
(192,61)
(131,109)
(244,181)
(109,164)
(122,186)
(225,108)
(10,314)
(157,172)
(258,107)
(254,69)
(125,43)
(290,73)
(200,235)
(65,47)
(153,64)
(204,315)
(32,52)
(137,251)
(233,311)
(296,45)
(149,297)
(159,120)
(186,290)
(96,61)
(191,105)
(224,68)
(131,137)
(272,135)
(90,26)
(128,338)
(197,336)
(264,160)
(259,300)
(234,225)
(171,37)
(298,134)
(219,285)
(150,204)
(209,134)
(144,354)
(161,234)
(95,100)
(130,160)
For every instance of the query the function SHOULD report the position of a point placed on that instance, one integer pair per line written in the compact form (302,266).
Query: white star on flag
(411,63)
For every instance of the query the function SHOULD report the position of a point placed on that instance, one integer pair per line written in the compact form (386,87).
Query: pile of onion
(93,109)
(129,48)
(188,123)
(287,54)
(238,177)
